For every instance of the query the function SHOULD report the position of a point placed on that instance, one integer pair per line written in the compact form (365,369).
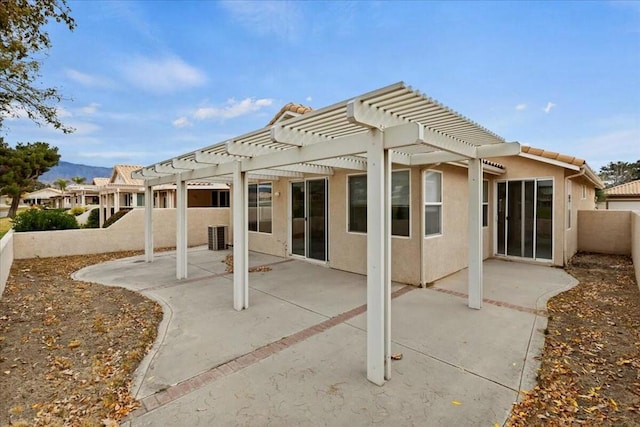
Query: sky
(145,81)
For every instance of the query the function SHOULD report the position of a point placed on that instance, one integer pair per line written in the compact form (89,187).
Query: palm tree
(79,179)
(61,183)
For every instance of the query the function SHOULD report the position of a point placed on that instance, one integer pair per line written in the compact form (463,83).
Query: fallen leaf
(396,356)
(455,402)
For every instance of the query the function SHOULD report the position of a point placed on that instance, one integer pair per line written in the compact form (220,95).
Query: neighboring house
(121,191)
(624,196)
(317,185)
(42,197)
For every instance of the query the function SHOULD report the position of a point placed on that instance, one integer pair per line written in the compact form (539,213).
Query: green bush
(77,210)
(93,221)
(116,216)
(43,220)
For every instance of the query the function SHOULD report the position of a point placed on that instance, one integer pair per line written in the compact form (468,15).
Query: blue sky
(153,79)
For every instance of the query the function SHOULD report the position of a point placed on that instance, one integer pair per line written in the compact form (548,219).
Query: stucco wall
(6,258)
(448,252)
(635,243)
(125,234)
(348,251)
(578,204)
(607,232)
(632,205)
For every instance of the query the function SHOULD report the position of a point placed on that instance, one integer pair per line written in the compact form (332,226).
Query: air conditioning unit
(217,237)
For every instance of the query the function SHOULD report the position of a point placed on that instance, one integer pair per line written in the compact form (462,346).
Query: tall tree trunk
(15,201)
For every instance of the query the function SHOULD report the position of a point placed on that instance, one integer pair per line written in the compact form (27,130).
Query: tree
(79,179)
(22,37)
(21,166)
(61,183)
(616,173)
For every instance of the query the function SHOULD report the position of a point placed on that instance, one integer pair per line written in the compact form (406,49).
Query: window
(400,206)
(140,199)
(220,198)
(260,202)
(568,205)
(584,192)
(432,203)
(357,188)
(485,203)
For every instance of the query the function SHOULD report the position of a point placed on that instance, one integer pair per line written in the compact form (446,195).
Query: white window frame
(348,206)
(399,236)
(425,203)
(584,192)
(485,219)
(258,184)
(348,203)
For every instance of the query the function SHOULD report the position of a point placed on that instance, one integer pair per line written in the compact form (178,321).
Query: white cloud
(521,107)
(232,109)
(309,99)
(89,109)
(181,122)
(84,128)
(63,113)
(163,75)
(87,79)
(280,18)
(549,106)
(115,154)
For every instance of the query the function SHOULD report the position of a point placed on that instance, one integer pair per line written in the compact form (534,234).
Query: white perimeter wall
(126,234)
(6,258)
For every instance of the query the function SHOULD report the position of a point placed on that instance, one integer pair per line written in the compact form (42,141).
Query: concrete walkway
(297,355)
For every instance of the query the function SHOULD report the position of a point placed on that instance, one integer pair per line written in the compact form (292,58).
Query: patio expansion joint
(197,279)
(497,303)
(183,388)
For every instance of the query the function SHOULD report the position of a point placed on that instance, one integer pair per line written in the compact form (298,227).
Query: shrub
(116,216)
(77,210)
(43,220)
(93,221)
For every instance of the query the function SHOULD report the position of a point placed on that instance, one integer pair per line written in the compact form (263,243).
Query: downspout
(565,259)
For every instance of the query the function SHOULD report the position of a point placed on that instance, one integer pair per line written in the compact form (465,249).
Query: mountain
(68,170)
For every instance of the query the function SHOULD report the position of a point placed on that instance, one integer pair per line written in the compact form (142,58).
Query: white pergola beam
(278,173)
(247,150)
(339,147)
(295,137)
(308,168)
(212,159)
(498,150)
(344,163)
(434,157)
(165,169)
(475,278)
(186,164)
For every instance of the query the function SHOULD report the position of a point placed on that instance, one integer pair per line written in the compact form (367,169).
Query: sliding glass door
(309,219)
(525,225)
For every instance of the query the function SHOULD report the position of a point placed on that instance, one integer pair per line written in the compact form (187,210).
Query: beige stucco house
(623,197)
(42,197)
(391,184)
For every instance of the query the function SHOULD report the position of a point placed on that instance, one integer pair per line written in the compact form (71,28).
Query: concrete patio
(297,355)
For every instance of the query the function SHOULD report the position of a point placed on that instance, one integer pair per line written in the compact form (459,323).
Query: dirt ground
(590,373)
(68,348)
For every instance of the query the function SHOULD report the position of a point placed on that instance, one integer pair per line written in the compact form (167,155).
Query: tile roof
(553,155)
(124,171)
(291,107)
(100,181)
(624,190)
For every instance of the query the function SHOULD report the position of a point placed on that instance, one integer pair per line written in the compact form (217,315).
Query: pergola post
(102,207)
(377,262)
(475,234)
(148,223)
(240,240)
(181,228)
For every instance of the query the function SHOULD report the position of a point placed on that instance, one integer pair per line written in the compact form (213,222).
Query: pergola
(394,124)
